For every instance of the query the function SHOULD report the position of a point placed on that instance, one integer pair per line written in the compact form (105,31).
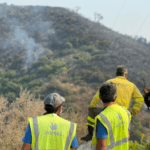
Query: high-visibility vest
(125,91)
(50,132)
(116,120)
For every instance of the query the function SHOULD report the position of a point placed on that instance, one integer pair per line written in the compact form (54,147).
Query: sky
(130,17)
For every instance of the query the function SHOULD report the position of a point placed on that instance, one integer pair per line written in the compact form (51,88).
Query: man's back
(53,132)
(125,91)
(116,120)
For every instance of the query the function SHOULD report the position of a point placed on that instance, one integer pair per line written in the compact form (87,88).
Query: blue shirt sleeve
(101,131)
(74,143)
(27,137)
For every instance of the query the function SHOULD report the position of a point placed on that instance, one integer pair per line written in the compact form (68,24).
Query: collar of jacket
(121,77)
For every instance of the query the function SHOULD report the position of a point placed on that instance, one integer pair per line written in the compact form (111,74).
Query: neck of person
(108,104)
(125,75)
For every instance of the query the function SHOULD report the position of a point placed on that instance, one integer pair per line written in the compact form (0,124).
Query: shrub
(137,130)
(11,97)
(63,69)
(68,45)
(24,79)
(91,76)
(10,74)
(34,83)
(23,71)
(2,73)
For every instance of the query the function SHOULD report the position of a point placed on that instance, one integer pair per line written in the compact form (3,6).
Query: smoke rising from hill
(33,50)
(23,28)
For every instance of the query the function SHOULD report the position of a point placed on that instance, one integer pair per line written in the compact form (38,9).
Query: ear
(60,108)
(125,75)
(115,97)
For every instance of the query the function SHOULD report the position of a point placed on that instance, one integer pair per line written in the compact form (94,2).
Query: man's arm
(26,146)
(101,135)
(139,101)
(95,100)
(101,144)
(74,144)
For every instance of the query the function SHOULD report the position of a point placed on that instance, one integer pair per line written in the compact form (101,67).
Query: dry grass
(13,120)
(70,86)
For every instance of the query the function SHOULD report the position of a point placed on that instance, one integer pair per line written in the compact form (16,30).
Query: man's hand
(26,146)
(146,90)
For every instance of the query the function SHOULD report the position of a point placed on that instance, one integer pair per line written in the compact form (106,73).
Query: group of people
(108,128)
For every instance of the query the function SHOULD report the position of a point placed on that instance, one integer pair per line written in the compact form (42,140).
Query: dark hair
(50,109)
(107,92)
(121,71)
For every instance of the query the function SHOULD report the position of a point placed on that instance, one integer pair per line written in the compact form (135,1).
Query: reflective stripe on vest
(36,133)
(69,136)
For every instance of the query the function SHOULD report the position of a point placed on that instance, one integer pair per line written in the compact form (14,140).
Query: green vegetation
(136,146)
(137,130)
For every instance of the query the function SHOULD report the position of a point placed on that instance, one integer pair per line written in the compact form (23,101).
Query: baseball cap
(54,99)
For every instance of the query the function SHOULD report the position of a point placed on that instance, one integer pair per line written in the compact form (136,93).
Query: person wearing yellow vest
(125,91)
(111,130)
(50,131)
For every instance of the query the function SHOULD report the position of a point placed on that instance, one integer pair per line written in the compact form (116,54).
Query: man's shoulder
(123,80)
(110,108)
(66,121)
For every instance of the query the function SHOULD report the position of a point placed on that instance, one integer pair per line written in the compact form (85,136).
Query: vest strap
(127,113)
(69,136)
(112,140)
(36,132)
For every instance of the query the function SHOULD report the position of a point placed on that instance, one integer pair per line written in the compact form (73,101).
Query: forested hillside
(51,49)
(40,43)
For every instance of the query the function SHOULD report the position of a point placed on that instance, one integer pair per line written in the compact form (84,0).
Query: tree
(97,17)
(77,8)
(68,45)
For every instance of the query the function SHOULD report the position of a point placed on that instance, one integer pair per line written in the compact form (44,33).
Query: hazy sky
(131,17)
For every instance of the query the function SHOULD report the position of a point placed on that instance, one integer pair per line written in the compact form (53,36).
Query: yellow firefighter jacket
(125,91)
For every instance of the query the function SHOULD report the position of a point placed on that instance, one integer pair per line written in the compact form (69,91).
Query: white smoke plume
(20,31)
(33,50)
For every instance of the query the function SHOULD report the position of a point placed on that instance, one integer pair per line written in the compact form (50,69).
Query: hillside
(51,49)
